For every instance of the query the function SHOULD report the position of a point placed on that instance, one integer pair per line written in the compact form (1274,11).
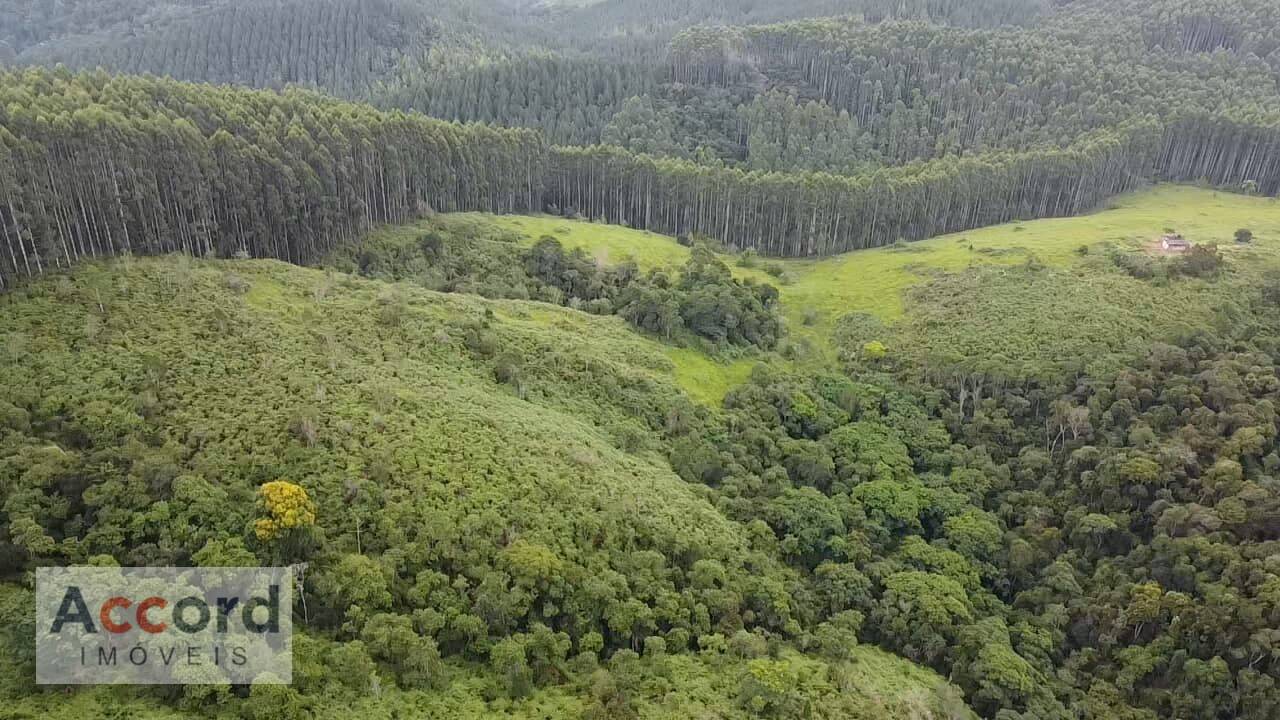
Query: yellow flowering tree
(286,506)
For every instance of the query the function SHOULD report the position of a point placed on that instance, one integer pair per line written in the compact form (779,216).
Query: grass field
(817,293)
(705,378)
(610,244)
(872,281)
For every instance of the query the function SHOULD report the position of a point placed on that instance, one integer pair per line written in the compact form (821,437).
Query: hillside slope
(1110,414)
(1094,300)
(484,470)
(874,281)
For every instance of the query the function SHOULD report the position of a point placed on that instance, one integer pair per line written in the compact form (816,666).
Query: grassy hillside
(607,243)
(873,281)
(384,379)
(523,510)
(816,294)
(484,256)
(492,460)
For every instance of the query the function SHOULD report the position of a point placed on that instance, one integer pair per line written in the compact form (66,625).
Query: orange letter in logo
(143,622)
(105,615)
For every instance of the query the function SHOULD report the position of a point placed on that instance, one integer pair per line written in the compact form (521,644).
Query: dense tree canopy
(702,302)
(802,138)
(1069,509)
(97,166)
(1122,564)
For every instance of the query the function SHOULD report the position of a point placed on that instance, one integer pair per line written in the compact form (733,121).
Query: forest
(797,139)
(84,157)
(96,166)
(656,359)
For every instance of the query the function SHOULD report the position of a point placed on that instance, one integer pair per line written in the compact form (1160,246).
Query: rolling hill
(503,452)
(649,359)
(883,282)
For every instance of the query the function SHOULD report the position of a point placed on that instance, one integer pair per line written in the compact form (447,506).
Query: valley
(645,359)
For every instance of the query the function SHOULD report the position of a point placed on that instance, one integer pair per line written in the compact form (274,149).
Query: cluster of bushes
(707,301)
(1201,261)
(704,300)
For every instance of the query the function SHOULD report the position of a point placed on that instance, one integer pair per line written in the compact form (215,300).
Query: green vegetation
(960,497)
(1081,292)
(481,254)
(873,281)
(245,173)
(425,438)
(702,301)
(559,465)
(818,293)
(607,244)
(874,163)
(1007,503)
(705,378)
(1038,321)
(159,380)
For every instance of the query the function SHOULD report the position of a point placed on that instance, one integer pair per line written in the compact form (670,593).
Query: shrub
(268,701)
(1271,288)
(482,342)
(1201,261)
(745,644)
(769,689)
(415,659)
(392,307)
(836,638)
(303,428)
(236,284)
(599,306)
(391,315)
(507,370)
(654,646)
(1138,266)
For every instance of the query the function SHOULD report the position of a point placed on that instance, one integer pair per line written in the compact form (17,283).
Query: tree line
(801,214)
(93,165)
(570,100)
(188,38)
(1242,27)
(916,80)
(343,47)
